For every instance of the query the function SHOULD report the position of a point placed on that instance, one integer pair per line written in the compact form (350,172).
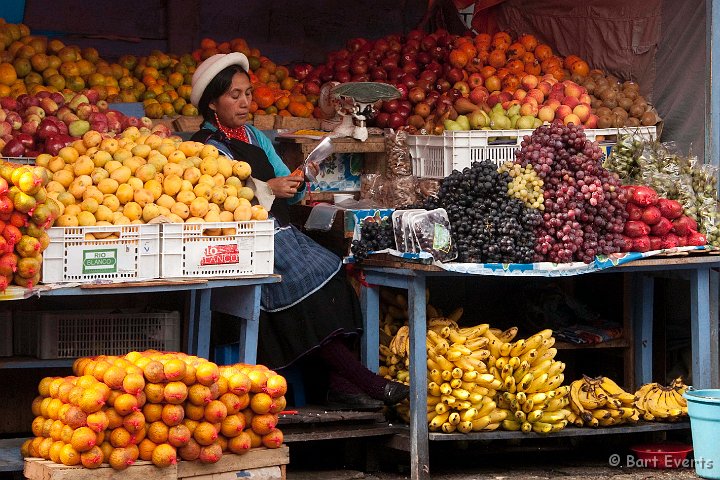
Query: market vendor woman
(314,309)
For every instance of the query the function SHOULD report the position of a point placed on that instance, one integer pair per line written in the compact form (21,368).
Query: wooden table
(700,270)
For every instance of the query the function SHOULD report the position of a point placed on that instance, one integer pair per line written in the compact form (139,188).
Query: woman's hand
(285,187)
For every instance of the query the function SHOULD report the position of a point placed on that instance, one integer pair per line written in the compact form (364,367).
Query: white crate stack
(436,156)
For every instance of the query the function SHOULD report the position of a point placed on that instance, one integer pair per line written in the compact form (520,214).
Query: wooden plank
(145,283)
(293,123)
(263,473)
(264,122)
(255,458)
(336,432)
(39,469)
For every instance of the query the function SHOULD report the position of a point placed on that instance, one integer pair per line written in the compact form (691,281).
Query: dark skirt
(286,335)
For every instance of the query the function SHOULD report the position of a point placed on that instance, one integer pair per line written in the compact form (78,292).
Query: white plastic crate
(436,156)
(187,251)
(135,255)
(72,334)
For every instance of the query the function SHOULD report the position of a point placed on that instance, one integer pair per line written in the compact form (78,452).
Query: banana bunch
(531,381)
(393,311)
(657,402)
(600,402)
(461,392)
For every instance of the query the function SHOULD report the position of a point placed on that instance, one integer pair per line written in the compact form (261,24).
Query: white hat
(211,67)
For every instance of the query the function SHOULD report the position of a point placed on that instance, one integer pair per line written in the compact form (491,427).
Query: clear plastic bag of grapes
(398,230)
(432,233)
(624,155)
(407,227)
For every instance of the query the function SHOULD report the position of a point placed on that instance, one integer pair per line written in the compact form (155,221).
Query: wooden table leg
(643,287)
(244,304)
(704,328)
(419,448)
(370,304)
(203,317)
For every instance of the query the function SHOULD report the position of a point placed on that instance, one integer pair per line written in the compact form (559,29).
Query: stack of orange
(275,91)
(503,62)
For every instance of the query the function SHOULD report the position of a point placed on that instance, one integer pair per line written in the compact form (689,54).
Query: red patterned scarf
(239,133)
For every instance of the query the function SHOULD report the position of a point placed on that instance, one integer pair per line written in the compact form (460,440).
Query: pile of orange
(503,62)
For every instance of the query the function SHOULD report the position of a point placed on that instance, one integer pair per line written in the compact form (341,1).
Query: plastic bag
(399,162)
(407,228)
(371,188)
(432,234)
(400,192)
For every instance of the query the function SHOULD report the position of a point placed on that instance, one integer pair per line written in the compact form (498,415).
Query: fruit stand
(406,275)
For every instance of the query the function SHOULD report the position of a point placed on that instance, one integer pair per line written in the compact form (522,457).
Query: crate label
(102,260)
(237,254)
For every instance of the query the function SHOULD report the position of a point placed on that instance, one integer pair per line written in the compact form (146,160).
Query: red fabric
(239,133)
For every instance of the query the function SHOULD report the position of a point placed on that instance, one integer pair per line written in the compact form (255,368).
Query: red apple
(30,127)
(591,122)
(396,121)
(92,95)
(403,89)
(556,95)
(479,95)
(529,82)
(14,119)
(529,109)
(9,103)
(378,74)
(572,89)
(416,94)
(571,102)
(552,103)
(35,110)
(548,77)
(519,94)
(390,106)
(5,129)
(409,80)
(563,111)
(546,114)
(585,98)
(476,80)
(49,106)
(463,87)
(13,148)
(571,118)
(537,95)
(545,88)
(454,75)
(506,105)
(582,112)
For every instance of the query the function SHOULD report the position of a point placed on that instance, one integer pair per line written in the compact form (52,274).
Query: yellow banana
(616,391)
(446,375)
(454,418)
(541,367)
(480,423)
(539,384)
(462,405)
(533,342)
(521,370)
(460,348)
(460,394)
(434,376)
(505,349)
(521,397)
(455,383)
(441,408)
(464,427)
(530,356)
(520,416)
(545,353)
(433,399)
(527,380)
(534,416)
(528,406)
(474,332)
(482,355)
(518,347)
(608,422)
(601,413)
(507,371)
(439,419)
(510,384)
(457,373)
(477,343)
(554,381)
(469,376)
(456,337)
(498,415)
(526,427)
(556,368)
(434,389)
(542,427)
(554,417)
(486,408)
(448,427)
(508,335)
(492,426)
(511,425)
(557,404)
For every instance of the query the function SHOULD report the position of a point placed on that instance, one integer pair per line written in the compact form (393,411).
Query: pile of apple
(656,223)
(441,75)
(46,122)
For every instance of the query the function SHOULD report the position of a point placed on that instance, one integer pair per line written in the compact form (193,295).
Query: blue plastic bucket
(704,413)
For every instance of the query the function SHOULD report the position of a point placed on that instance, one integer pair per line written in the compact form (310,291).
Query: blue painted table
(700,270)
(238,297)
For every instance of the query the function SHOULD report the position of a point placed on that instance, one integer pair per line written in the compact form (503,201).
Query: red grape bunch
(584,205)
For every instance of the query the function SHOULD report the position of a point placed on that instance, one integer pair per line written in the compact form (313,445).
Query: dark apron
(305,266)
